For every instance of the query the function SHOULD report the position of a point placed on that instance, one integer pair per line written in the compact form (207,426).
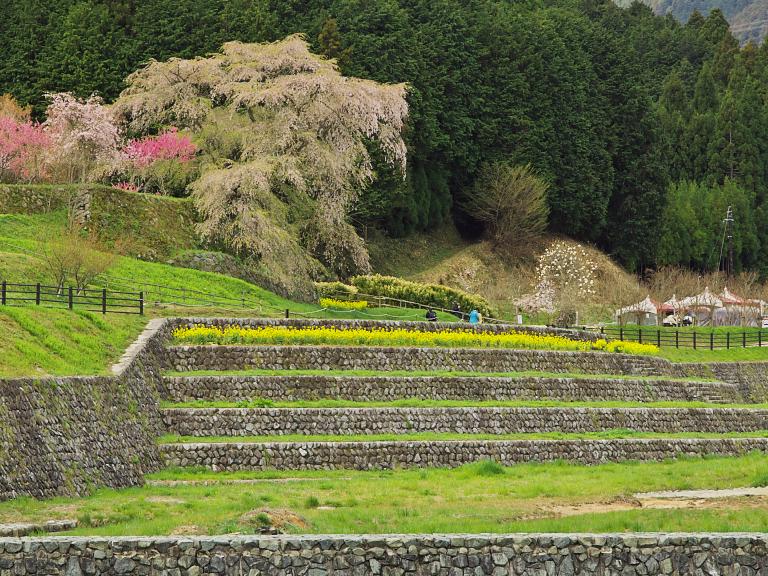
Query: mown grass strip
(479,497)
(614,434)
(420,374)
(420,403)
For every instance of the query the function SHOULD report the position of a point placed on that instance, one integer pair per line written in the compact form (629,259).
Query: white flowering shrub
(566,278)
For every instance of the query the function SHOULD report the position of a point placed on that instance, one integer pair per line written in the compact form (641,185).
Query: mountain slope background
(748,18)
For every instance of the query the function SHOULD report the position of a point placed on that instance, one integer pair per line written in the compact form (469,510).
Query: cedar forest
(645,129)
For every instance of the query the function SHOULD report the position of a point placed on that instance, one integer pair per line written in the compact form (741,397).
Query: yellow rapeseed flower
(342,336)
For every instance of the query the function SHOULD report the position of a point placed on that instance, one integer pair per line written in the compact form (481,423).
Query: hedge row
(427,294)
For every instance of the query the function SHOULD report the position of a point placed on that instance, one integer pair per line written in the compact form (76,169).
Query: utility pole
(728,223)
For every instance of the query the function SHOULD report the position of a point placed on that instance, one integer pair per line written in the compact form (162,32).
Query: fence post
(640,335)
(103,300)
(70,298)
(621,332)
(658,337)
(287,313)
(760,338)
(602,330)
(694,339)
(711,340)
(37,294)
(744,339)
(4,291)
(727,340)
(141,303)
(677,338)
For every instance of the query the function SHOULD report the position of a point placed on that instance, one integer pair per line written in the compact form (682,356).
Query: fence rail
(90,299)
(691,338)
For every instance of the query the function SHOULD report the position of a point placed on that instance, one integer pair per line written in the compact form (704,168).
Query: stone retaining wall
(355,421)
(65,436)
(185,358)
(388,388)
(750,377)
(387,455)
(392,555)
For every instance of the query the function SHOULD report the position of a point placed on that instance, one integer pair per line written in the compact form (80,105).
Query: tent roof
(729,297)
(644,306)
(671,305)
(706,298)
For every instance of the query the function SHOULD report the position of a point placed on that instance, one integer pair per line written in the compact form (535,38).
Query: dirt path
(704,494)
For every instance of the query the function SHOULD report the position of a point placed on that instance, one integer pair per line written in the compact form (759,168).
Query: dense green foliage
(609,105)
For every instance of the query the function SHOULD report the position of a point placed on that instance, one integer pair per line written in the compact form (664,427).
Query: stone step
(442,387)
(388,455)
(187,358)
(467,420)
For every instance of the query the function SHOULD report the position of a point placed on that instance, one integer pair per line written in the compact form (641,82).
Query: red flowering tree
(23,148)
(167,146)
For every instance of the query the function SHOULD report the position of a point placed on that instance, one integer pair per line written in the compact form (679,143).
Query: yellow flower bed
(467,338)
(343,304)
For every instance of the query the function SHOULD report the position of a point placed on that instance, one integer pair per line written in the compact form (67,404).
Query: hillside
(748,18)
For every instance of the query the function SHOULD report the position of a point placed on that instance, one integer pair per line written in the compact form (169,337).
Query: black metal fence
(93,300)
(687,338)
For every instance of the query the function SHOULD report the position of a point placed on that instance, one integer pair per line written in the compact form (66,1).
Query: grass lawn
(482,497)
(432,436)
(39,342)
(420,403)
(752,354)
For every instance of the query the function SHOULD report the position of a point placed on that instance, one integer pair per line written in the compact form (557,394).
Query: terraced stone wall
(440,555)
(355,421)
(388,388)
(65,436)
(750,377)
(386,455)
(185,358)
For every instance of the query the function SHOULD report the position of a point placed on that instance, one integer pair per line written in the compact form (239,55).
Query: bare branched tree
(512,202)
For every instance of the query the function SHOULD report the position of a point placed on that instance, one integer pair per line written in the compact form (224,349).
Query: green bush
(331,289)
(427,294)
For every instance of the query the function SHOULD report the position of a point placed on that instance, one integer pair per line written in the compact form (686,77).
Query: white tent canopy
(704,300)
(644,312)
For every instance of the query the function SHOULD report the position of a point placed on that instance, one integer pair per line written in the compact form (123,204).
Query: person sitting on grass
(474,317)
(431,315)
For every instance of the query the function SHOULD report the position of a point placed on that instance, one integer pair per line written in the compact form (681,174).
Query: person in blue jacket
(474,317)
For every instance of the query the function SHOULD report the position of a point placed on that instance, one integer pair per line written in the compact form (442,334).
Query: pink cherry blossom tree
(84,135)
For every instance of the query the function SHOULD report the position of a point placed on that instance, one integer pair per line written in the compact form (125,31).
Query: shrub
(343,304)
(331,289)
(488,468)
(426,294)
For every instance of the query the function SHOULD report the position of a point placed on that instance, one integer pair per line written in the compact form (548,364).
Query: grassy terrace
(482,497)
(428,436)
(753,354)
